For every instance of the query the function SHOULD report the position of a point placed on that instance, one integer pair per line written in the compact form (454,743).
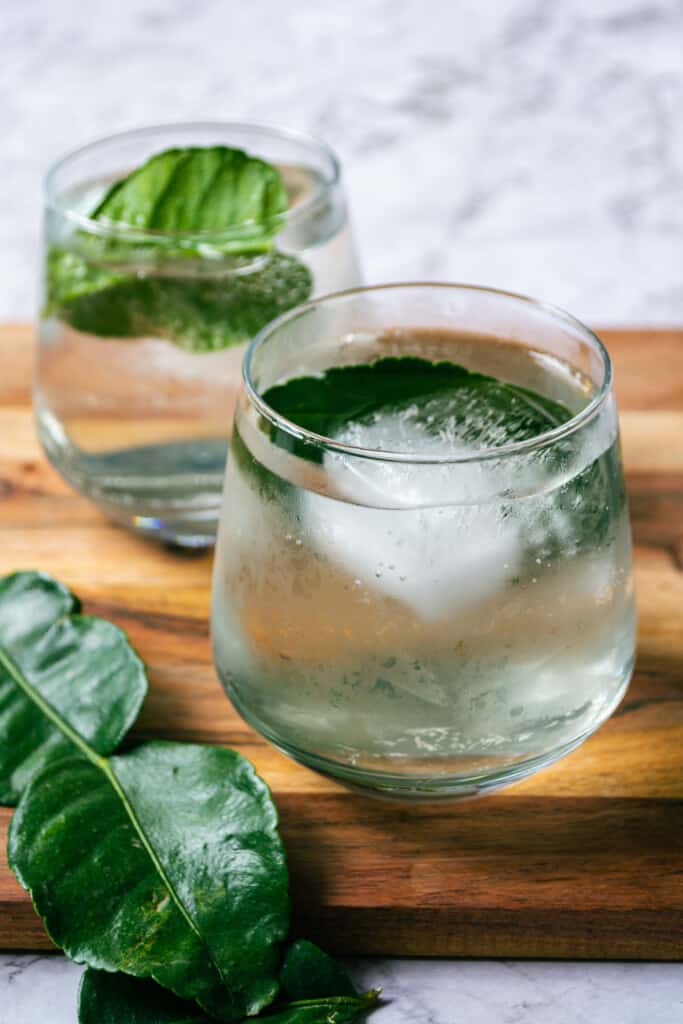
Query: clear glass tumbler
(435,597)
(142,333)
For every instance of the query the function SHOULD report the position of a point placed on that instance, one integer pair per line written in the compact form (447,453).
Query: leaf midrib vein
(103,764)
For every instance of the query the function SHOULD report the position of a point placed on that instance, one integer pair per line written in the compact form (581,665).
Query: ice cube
(404,531)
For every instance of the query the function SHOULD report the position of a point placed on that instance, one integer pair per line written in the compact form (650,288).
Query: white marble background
(43,990)
(535,145)
(531,144)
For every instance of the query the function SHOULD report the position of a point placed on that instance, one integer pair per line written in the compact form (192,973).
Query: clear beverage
(448,620)
(141,423)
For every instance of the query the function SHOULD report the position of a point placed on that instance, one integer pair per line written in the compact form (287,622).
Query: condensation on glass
(423,622)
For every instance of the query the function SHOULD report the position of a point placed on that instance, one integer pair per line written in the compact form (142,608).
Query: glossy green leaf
(106,998)
(162,862)
(119,999)
(309,973)
(64,677)
(198,313)
(236,200)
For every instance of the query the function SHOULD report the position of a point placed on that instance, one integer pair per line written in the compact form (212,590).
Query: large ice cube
(403,531)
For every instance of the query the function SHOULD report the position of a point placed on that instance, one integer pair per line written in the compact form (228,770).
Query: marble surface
(34,989)
(531,145)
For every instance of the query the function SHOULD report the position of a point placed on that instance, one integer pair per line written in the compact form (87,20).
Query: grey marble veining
(528,144)
(34,990)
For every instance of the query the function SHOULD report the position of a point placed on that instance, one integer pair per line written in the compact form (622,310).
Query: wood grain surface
(584,859)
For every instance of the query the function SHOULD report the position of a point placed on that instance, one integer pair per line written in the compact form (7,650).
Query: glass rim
(130,231)
(543,440)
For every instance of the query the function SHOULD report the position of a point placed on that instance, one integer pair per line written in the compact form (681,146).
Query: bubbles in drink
(437,616)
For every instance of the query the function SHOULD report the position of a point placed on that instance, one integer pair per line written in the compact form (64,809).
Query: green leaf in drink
(462,410)
(202,314)
(354,394)
(186,253)
(235,200)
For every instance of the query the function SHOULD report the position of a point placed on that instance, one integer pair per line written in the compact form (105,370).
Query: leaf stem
(365,999)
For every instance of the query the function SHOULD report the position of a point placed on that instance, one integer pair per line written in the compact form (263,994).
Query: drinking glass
(426,613)
(135,384)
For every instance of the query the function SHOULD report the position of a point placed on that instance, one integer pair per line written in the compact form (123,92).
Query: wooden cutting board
(584,859)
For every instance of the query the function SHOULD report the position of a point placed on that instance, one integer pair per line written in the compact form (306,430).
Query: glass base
(187,529)
(189,525)
(414,788)
(169,492)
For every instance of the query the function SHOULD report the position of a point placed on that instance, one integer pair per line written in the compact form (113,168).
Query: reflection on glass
(423,578)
